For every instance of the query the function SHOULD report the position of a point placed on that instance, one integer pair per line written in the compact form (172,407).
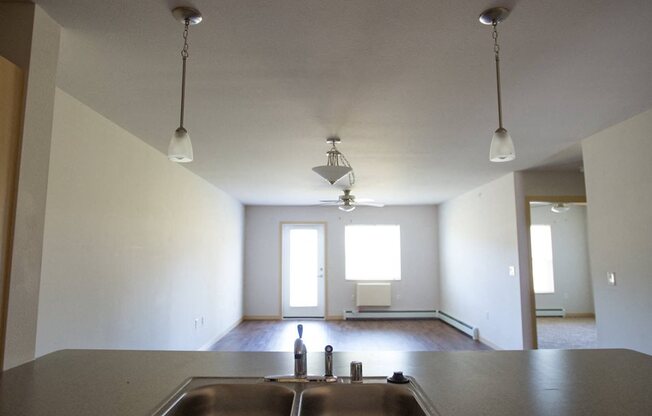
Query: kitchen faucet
(301,365)
(300,356)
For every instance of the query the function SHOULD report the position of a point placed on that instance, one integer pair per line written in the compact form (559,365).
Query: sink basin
(233,400)
(359,400)
(225,396)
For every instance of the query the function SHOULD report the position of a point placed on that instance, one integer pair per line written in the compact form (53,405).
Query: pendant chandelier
(180,148)
(502,147)
(336,167)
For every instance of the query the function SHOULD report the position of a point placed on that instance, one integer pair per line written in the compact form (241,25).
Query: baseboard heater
(385,314)
(471,331)
(559,312)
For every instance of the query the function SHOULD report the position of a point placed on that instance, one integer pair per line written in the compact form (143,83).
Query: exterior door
(302,269)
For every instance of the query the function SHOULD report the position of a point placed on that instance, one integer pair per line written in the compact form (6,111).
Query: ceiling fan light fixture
(560,208)
(346,207)
(502,147)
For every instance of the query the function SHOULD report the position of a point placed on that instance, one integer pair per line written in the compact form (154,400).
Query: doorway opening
(302,270)
(561,280)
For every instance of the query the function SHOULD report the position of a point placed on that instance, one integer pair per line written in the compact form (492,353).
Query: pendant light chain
(184,57)
(494,34)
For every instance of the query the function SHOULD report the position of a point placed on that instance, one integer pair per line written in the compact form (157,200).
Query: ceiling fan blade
(369,204)
(330,200)
(364,200)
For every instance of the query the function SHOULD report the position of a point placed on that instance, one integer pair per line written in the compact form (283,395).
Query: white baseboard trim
(559,312)
(388,314)
(471,331)
(216,338)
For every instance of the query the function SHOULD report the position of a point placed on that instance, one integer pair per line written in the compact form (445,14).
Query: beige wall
(40,54)
(478,241)
(552,183)
(136,247)
(417,290)
(619,193)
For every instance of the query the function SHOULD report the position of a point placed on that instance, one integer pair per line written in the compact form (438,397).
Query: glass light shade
(180,149)
(502,147)
(332,173)
(559,208)
(346,208)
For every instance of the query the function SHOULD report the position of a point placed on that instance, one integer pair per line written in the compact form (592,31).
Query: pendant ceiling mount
(495,14)
(193,16)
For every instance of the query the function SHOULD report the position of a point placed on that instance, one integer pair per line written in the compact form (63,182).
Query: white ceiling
(408,85)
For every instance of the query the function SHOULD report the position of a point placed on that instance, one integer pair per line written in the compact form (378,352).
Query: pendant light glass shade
(332,173)
(502,147)
(346,207)
(180,149)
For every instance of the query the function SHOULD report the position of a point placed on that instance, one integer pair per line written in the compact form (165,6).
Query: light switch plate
(512,271)
(611,278)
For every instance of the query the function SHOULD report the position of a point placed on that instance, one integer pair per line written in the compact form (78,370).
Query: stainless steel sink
(230,397)
(220,396)
(360,400)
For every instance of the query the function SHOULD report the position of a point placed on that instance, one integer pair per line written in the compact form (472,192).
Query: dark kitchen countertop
(474,383)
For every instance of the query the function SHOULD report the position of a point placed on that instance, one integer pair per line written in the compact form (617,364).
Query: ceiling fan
(556,207)
(347,202)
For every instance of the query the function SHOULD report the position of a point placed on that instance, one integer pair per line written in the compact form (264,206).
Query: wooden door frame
(280,262)
(12,145)
(528,223)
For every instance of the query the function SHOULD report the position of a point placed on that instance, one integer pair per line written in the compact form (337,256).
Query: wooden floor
(351,335)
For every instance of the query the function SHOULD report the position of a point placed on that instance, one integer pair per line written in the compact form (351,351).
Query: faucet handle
(300,329)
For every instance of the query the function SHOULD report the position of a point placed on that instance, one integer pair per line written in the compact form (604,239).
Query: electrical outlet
(512,271)
(196,324)
(611,278)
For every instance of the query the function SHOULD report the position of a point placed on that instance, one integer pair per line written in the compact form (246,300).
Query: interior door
(302,269)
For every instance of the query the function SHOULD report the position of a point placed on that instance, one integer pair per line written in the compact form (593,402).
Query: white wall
(619,193)
(35,47)
(478,241)
(570,254)
(417,290)
(136,247)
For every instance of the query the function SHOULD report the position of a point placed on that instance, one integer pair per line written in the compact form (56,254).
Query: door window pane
(304,264)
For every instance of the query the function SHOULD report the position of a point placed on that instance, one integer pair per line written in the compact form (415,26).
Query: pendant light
(502,147)
(336,166)
(560,208)
(180,149)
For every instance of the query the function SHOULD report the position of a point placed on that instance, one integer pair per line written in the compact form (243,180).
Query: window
(372,252)
(543,277)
